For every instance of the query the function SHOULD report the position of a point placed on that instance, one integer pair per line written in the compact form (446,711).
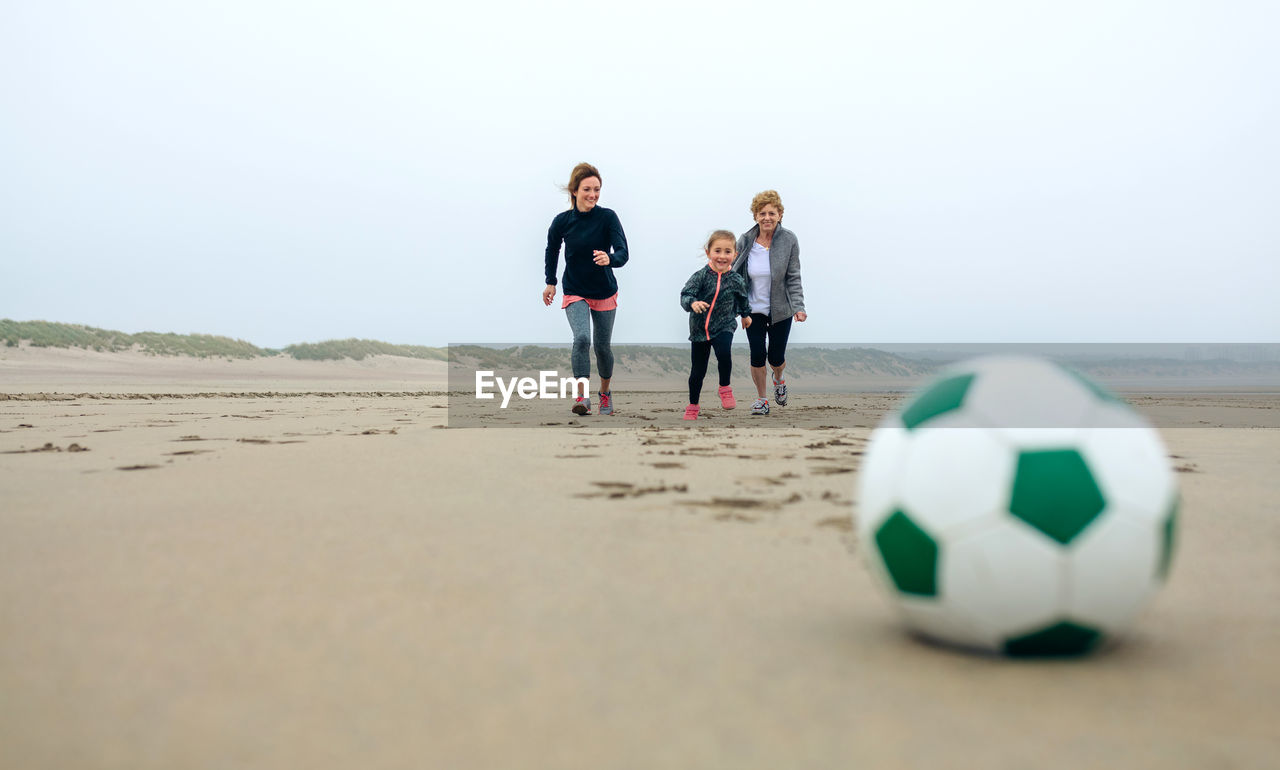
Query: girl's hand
(801,316)
(600,258)
(698,306)
(746,321)
(548,294)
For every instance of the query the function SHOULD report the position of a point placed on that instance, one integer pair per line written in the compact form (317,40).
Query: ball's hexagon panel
(1054,491)
(909,554)
(943,622)
(1019,392)
(878,478)
(1028,439)
(955,478)
(1112,570)
(1007,578)
(1132,467)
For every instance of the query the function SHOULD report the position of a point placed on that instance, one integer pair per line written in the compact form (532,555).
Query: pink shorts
(608,303)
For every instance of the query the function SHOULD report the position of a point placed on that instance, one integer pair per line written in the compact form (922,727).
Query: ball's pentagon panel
(1059,639)
(910,555)
(943,396)
(1054,491)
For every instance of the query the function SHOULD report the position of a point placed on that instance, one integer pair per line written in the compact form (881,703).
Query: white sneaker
(760,406)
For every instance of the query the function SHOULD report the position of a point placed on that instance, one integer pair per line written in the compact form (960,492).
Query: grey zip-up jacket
(786,296)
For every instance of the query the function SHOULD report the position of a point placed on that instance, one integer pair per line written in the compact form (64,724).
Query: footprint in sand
(620,489)
(833,442)
(735,504)
(830,470)
(732,516)
(841,523)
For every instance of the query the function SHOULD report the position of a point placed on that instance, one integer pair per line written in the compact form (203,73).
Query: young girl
(714,296)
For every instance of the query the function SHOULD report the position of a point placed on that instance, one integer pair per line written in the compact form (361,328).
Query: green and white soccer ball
(1015,506)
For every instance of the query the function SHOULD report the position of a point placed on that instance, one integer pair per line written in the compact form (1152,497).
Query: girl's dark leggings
(776,349)
(701,355)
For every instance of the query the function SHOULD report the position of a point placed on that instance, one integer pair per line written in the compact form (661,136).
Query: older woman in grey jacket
(769,258)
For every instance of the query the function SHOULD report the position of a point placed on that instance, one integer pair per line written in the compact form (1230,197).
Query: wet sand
(325,575)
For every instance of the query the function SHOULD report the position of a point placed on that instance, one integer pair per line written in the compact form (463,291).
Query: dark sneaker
(780,392)
(582,406)
(606,403)
(760,406)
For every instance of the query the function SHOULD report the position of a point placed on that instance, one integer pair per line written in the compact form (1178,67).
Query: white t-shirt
(759,278)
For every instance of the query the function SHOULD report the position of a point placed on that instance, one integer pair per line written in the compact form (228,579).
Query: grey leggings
(581,319)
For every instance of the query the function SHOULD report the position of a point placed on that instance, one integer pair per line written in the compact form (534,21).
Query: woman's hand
(698,306)
(746,321)
(802,316)
(600,258)
(548,294)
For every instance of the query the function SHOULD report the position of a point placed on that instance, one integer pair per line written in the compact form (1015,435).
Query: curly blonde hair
(764,199)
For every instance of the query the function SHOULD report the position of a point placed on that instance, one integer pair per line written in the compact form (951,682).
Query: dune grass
(358,349)
(45,334)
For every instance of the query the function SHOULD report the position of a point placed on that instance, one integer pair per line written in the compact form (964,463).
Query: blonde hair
(721,235)
(764,199)
(580,172)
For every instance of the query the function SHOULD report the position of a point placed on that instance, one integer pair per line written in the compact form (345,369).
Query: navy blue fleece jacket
(582,233)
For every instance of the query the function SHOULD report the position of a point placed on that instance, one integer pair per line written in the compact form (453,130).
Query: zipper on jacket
(707,326)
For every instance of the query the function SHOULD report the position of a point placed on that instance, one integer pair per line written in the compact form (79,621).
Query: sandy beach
(284,564)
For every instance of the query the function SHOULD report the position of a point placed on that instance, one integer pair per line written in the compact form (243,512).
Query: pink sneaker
(691,412)
(726,397)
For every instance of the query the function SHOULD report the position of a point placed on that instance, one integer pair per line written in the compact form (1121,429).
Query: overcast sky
(298,171)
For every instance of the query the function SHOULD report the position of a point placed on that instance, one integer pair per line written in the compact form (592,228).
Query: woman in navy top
(594,244)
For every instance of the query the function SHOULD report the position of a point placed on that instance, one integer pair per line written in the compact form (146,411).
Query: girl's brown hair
(721,235)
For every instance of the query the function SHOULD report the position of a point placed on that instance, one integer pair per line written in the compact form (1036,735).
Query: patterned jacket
(727,294)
